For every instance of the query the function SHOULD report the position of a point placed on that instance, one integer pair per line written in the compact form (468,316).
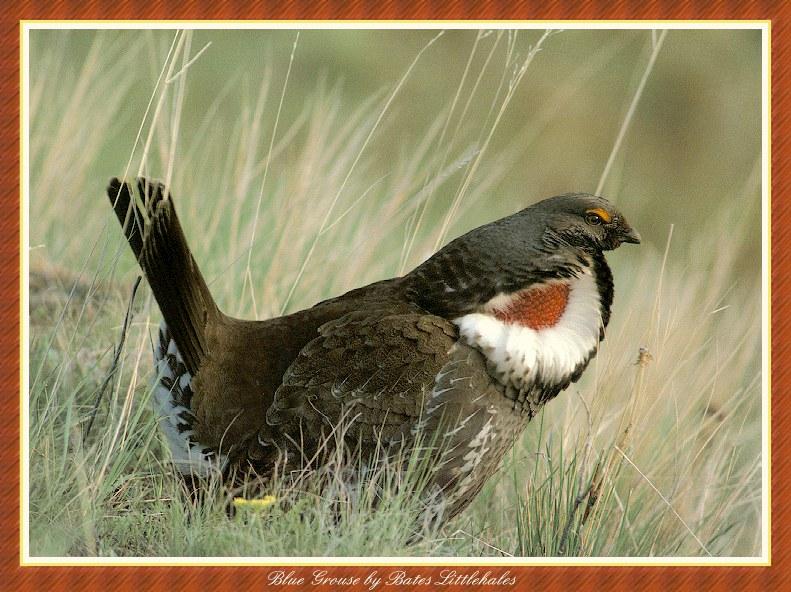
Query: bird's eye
(593,219)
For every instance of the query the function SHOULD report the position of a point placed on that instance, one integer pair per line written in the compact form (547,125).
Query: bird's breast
(538,307)
(538,335)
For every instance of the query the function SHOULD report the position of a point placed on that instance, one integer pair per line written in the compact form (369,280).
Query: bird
(462,351)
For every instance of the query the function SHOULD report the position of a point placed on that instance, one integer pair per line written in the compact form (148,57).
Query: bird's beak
(630,235)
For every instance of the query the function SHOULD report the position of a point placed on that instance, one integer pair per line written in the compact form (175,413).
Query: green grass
(300,195)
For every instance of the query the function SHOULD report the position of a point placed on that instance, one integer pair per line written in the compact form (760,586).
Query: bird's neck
(538,307)
(544,335)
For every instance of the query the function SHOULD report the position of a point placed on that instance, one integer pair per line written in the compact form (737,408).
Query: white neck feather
(519,354)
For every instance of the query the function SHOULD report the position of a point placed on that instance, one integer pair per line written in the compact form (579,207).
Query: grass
(285,207)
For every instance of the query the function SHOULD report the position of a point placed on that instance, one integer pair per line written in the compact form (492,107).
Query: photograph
(435,291)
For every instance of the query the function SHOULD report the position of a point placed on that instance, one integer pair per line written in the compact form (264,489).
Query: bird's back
(246,360)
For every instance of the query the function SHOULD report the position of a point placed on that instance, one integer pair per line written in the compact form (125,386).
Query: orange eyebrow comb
(601,213)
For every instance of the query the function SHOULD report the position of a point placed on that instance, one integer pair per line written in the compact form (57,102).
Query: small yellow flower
(254,504)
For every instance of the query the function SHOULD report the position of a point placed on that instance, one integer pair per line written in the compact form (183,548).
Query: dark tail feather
(129,215)
(160,247)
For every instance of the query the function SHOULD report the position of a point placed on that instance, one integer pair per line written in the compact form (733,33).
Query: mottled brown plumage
(393,361)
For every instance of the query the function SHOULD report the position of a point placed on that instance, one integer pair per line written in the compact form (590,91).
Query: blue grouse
(463,350)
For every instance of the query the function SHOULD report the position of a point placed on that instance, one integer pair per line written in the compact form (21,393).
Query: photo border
(138,574)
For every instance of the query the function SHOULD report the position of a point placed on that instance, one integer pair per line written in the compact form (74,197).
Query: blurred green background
(367,177)
(692,149)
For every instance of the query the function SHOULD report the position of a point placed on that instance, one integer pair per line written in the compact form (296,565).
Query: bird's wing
(371,369)
(389,378)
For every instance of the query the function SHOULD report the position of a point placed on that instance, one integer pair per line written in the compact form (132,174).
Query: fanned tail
(158,242)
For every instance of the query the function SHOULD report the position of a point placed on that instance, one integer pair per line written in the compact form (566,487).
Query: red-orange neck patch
(537,308)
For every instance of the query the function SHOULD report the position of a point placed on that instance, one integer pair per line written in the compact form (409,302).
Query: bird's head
(582,221)
(551,239)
